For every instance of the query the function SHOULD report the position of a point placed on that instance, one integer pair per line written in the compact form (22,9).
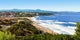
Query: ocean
(70,19)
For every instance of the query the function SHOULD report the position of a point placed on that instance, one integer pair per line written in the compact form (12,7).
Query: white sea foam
(72,22)
(54,25)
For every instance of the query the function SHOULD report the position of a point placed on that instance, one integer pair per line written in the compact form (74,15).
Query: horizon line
(42,9)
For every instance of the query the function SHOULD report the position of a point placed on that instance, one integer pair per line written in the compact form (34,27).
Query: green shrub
(47,36)
(78,29)
(6,36)
(23,29)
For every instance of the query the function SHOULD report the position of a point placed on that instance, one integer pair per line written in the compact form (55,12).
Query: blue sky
(53,5)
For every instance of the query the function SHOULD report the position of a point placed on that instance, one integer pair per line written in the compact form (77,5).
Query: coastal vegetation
(78,30)
(6,36)
(22,29)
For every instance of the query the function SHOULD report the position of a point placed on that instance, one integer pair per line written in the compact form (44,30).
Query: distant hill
(38,10)
(25,10)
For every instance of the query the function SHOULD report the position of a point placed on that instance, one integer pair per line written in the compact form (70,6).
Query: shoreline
(55,27)
(41,28)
